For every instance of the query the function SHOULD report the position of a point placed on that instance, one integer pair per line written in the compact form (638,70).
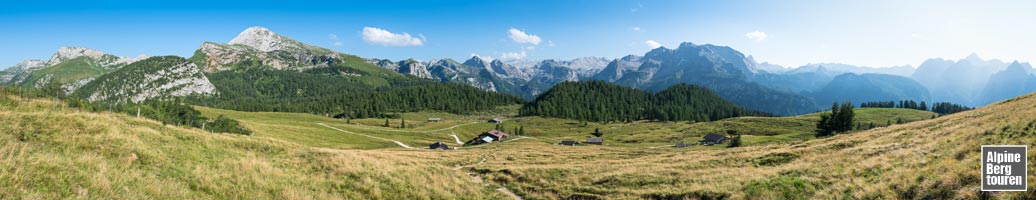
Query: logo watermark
(1004,168)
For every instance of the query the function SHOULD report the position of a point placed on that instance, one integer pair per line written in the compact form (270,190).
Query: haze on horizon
(787,33)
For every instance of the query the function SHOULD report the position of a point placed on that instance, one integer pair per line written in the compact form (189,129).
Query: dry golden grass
(931,159)
(48,151)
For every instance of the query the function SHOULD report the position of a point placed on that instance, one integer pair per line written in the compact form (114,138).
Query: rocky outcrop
(260,47)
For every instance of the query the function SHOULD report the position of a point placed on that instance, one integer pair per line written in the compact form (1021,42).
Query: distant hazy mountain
(838,68)
(961,81)
(796,82)
(772,68)
(1014,81)
(871,87)
(719,68)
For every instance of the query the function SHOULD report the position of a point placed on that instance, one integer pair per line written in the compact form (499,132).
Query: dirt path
(456,138)
(659,147)
(413,131)
(370,136)
(519,138)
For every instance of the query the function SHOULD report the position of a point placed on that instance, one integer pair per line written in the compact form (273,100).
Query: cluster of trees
(910,104)
(602,101)
(325,94)
(941,107)
(174,112)
(166,111)
(944,108)
(839,120)
(735,139)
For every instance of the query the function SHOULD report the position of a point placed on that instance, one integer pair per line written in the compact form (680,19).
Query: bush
(780,187)
(775,159)
(226,125)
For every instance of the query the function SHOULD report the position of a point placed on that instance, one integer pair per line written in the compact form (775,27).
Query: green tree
(735,138)
(402,121)
(386,122)
(839,120)
(597,132)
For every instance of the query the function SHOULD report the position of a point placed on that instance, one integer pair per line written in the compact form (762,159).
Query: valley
(575,100)
(297,147)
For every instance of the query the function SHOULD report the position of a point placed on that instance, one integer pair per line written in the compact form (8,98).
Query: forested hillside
(603,101)
(323,91)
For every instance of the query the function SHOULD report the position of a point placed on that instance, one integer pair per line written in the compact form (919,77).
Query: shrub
(775,159)
(780,187)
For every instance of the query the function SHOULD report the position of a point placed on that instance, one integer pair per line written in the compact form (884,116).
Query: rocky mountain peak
(262,39)
(65,53)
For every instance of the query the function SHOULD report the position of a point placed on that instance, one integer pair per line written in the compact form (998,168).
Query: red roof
(498,134)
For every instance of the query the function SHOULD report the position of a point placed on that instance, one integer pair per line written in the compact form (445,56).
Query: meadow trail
(401,144)
(413,131)
(455,137)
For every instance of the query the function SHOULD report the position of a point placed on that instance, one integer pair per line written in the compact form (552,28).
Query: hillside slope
(930,159)
(50,151)
(57,152)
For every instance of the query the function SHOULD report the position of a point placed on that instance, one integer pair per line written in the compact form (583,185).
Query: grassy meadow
(50,151)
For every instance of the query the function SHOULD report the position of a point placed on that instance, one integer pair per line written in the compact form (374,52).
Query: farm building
(490,136)
(596,140)
(712,138)
(434,119)
(568,142)
(496,120)
(438,145)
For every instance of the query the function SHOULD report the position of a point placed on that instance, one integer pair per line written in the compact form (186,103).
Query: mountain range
(260,65)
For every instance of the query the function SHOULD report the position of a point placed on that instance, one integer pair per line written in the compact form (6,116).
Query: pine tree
(386,122)
(735,139)
(839,120)
(597,132)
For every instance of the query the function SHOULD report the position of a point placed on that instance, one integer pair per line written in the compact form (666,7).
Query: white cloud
(653,44)
(757,36)
(550,43)
(636,28)
(530,48)
(521,37)
(513,56)
(334,39)
(385,38)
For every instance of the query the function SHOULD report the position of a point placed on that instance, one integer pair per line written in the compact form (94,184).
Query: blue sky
(789,33)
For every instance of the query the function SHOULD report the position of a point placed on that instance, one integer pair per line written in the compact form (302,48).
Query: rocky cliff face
(260,47)
(524,78)
(155,78)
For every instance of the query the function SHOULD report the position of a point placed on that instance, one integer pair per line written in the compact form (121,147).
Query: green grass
(302,128)
(754,130)
(68,71)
